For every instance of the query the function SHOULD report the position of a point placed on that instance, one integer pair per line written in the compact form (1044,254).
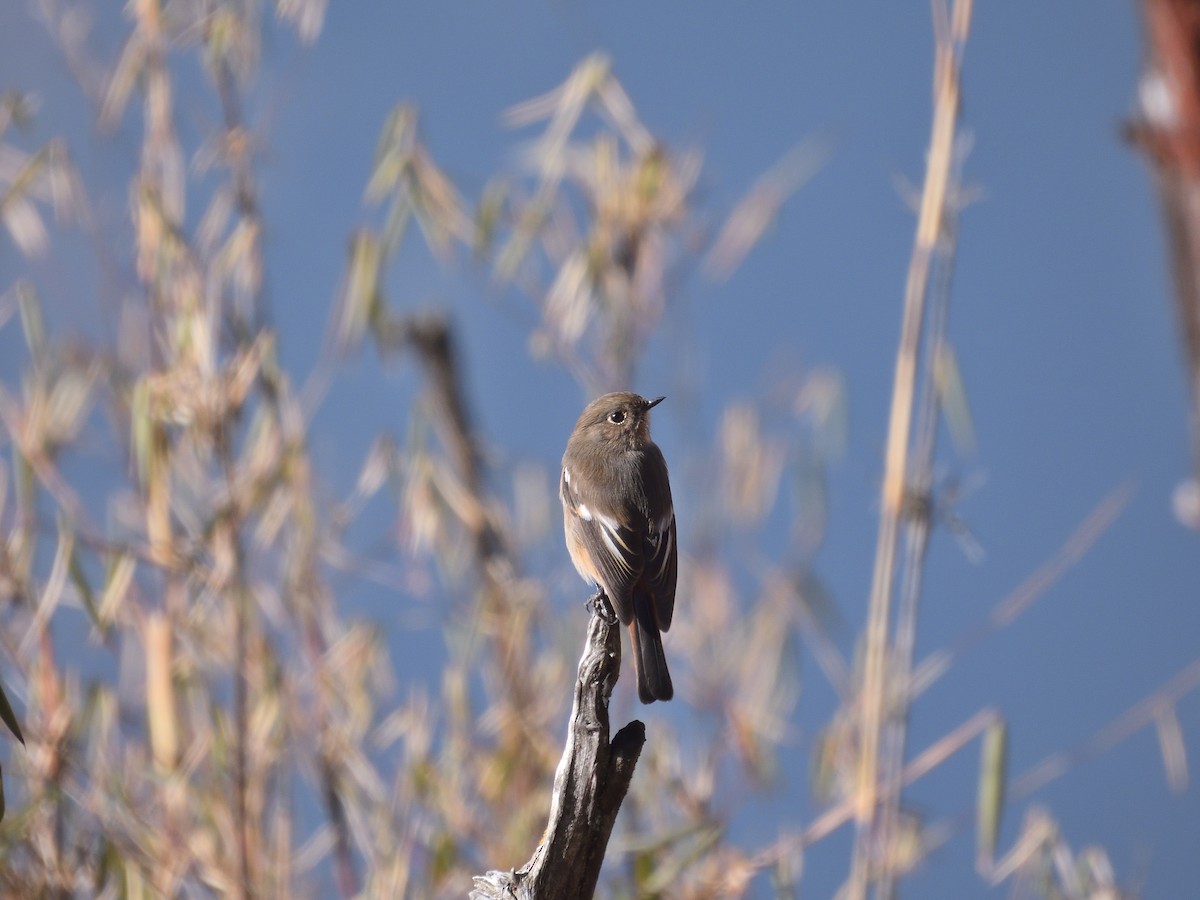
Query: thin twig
(924,763)
(1050,768)
(1137,717)
(233,578)
(1007,610)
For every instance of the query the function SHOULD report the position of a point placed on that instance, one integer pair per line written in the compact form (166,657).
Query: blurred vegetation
(230,729)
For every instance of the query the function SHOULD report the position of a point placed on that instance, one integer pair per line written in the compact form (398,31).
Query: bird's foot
(598,605)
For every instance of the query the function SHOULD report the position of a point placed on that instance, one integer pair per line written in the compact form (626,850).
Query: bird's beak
(653,403)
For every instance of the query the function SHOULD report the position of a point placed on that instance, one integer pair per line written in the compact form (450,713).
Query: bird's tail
(654,681)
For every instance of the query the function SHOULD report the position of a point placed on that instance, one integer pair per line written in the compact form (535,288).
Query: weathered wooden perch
(592,779)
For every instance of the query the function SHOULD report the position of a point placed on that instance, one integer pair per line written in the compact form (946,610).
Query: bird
(619,523)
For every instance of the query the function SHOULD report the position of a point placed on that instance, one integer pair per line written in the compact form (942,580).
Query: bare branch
(589,786)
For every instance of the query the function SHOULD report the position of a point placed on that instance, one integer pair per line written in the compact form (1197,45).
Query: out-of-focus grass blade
(79,579)
(823,398)
(489,216)
(993,778)
(120,576)
(140,428)
(31,320)
(17,109)
(362,290)
(760,208)
(124,77)
(69,403)
(393,153)
(655,872)
(307,16)
(1174,752)
(953,397)
(9,717)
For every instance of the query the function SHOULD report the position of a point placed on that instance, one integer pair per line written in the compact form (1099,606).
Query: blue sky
(1061,317)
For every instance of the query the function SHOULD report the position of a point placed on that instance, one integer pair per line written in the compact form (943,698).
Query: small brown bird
(620,525)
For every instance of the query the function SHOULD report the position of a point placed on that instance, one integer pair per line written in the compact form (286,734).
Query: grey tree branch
(592,779)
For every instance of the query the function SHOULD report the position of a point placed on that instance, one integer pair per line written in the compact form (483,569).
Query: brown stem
(233,580)
(433,340)
(873,707)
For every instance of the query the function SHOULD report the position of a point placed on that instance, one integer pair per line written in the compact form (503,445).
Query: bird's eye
(617,416)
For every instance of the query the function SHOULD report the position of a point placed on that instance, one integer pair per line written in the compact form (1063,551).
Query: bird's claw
(598,605)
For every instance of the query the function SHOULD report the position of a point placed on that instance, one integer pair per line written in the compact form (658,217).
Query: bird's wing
(662,569)
(614,549)
(661,549)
